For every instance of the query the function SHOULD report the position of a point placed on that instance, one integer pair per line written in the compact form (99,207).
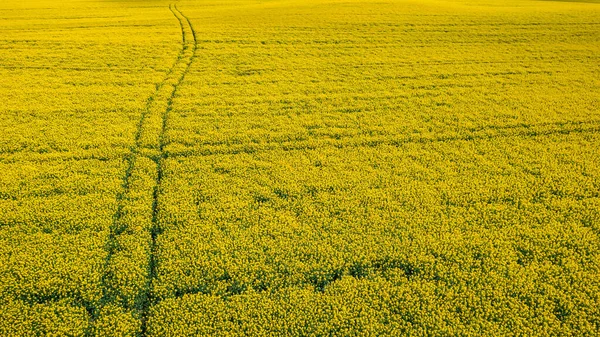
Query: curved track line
(156,230)
(141,187)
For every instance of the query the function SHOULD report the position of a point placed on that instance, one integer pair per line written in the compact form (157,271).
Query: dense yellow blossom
(299,167)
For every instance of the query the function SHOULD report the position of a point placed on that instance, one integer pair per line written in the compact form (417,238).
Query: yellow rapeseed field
(299,168)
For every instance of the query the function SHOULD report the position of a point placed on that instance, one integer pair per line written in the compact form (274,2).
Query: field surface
(299,168)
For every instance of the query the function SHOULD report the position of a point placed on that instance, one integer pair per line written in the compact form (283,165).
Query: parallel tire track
(130,264)
(190,45)
(314,143)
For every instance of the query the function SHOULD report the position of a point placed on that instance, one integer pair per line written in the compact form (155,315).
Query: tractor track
(149,144)
(189,42)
